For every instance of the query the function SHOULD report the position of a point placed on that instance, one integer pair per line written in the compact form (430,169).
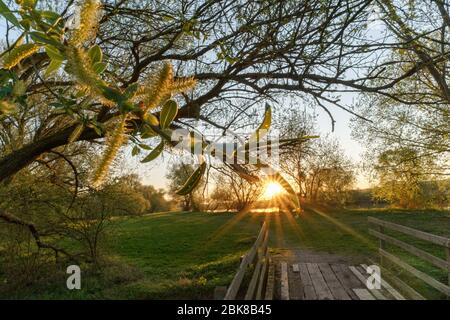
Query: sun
(272,189)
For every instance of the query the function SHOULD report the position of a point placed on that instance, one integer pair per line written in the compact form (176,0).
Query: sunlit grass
(185,255)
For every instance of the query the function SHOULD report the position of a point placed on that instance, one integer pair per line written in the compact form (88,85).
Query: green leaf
(192,181)
(54,53)
(148,132)
(155,153)
(95,53)
(113,94)
(52,67)
(144,146)
(50,16)
(99,67)
(151,119)
(4,11)
(130,91)
(136,150)
(168,113)
(42,38)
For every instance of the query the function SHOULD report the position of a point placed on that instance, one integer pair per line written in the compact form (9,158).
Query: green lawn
(185,255)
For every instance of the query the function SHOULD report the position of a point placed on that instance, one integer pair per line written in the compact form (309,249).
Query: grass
(185,255)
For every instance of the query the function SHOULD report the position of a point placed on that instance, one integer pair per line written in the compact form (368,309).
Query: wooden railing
(258,257)
(435,239)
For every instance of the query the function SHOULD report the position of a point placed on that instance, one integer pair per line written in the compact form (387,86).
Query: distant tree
(156,198)
(401,173)
(138,198)
(329,174)
(414,114)
(233,191)
(295,123)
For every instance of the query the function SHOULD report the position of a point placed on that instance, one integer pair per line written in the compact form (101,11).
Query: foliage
(405,180)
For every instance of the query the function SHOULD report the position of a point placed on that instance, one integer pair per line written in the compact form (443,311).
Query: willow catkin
(182,85)
(158,87)
(80,66)
(88,23)
(19,53)
(114,142)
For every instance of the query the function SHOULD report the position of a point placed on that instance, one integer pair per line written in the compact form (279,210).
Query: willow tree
(414,114)
(122,72)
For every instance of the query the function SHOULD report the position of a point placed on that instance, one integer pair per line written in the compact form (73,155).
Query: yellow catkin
(88,23)
(114,142)
(182,85)
(18,54)
(80,66)
(158,87)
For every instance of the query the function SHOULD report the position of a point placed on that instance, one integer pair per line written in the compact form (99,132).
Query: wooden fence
(262,279)
(436,261)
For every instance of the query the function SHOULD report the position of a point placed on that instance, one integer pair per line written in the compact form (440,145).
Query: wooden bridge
(312,276)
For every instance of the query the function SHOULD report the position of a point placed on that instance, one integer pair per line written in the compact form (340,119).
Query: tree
(292,160)
(329,174)
(233,191)
(415,113)
(401,173)
(317,165)
(272,48)
(65,84)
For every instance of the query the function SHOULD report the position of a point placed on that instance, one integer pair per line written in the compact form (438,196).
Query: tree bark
(16,160)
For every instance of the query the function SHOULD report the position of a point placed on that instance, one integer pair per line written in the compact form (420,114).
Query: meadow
(187,254)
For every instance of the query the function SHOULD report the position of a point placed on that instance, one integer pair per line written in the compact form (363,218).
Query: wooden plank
(363,294)
(438,262)
(262,278)
(295,267)
(233,289)
(388,287)
(333,283)
(346,278)
(250,294)
(439,240)
(320,286)
(284,281)
(359,275)
(447,252)
(419,274)
(413,294)
(308,288)
(270,287)
(253,282)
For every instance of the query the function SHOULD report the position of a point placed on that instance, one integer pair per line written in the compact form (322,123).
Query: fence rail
(435,239)
(257,256)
